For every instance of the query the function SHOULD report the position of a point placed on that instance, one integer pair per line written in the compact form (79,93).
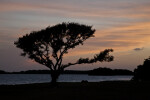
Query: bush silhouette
(48,46)
(142,72)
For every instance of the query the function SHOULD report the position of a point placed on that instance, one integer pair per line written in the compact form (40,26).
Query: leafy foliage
(141,73)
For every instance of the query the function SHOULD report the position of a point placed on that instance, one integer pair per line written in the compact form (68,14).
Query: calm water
(41,78)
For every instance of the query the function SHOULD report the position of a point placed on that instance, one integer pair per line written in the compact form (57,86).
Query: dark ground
(123,90)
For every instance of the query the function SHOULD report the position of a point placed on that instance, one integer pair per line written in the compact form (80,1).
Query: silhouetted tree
(49,45)
(142,72)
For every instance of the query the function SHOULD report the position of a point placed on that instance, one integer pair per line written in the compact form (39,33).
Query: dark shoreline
(108,90)
(95,72)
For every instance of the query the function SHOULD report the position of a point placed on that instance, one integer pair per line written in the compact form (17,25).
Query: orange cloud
(123,38)
(137,32)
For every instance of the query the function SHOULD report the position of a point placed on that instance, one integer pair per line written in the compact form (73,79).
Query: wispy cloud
(89,9)
(138,49)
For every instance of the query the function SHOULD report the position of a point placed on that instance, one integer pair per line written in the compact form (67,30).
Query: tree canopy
(142,72)
(49,45)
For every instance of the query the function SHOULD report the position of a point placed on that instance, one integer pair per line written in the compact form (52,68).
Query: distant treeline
(3,72)
(108,71)
(97,71)
(44,72)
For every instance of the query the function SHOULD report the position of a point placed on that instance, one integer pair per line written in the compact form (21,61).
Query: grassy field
(116,90)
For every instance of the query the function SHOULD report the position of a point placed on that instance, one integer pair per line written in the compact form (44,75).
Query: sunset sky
(123,25)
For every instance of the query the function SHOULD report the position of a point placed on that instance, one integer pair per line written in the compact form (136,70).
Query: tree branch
(101,57)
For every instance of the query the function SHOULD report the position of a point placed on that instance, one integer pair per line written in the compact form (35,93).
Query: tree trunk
(54,77)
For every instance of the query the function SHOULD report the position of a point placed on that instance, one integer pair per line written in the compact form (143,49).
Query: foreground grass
(116,90)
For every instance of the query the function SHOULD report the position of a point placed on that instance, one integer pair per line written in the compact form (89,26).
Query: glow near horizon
(120,24)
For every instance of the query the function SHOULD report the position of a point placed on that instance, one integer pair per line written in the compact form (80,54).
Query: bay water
(12,79)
